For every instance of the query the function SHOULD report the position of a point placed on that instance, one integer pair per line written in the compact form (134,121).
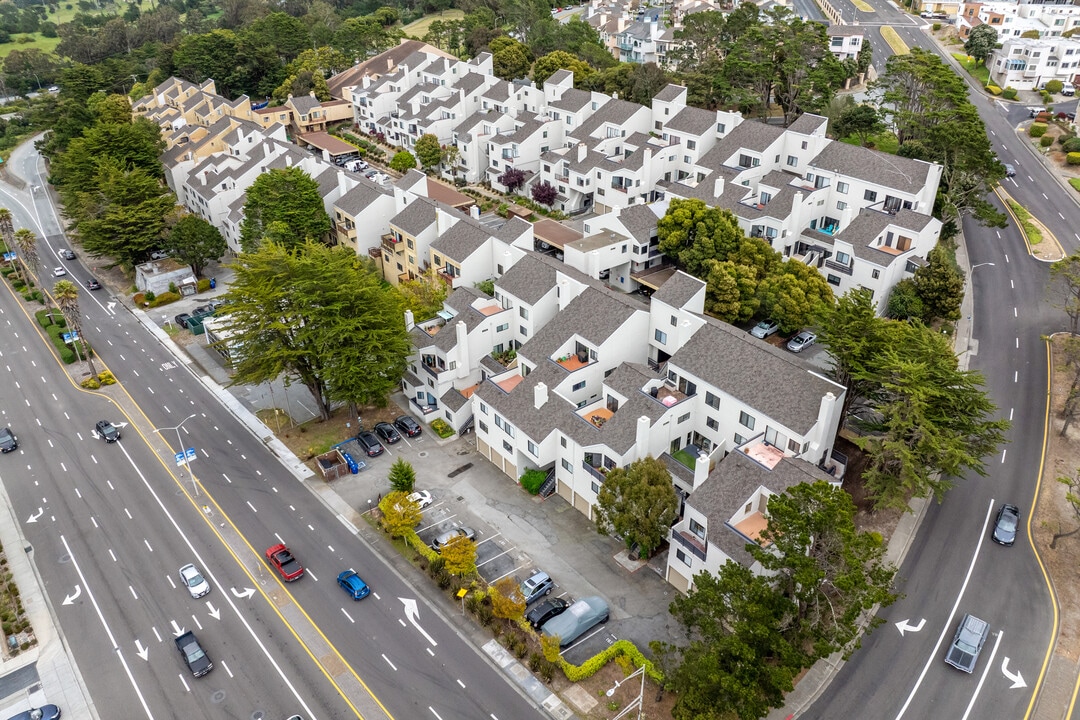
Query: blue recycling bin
(353,467)
(213,283)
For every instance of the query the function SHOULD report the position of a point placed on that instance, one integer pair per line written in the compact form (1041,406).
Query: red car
(283,561)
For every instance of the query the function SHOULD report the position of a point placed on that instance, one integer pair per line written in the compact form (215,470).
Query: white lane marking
(108,630)
(392,665)
(982,679)
(346,614)
(948,626)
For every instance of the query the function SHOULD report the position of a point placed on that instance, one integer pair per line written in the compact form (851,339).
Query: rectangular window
(841,205)
(691,144)
(524,332)
(870,196)
(697,528)
(579,386)
(739,440)
(661,337)
(833,279)
(712,424)
(841,187)
(483,426)
(535,451)
(595,488)
(674,321)
(792,445)
(567,466)
(502,328)
(745,419)
(523,312)
(712,400)
(562,441)
(508,447)
(792,161)
(483,408)
(875,274)
(682,419)
(683,557)
(843,258)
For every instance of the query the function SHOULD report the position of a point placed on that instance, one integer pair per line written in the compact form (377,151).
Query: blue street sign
(10,256)
(179,458)
(183,458)
(190,454)
(70,337)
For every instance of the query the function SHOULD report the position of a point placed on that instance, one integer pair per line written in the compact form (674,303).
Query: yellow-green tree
(460,556)
(507,602)
(399,514)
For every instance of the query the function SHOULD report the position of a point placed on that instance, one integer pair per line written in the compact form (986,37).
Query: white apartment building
(1013,19)
(1028,63)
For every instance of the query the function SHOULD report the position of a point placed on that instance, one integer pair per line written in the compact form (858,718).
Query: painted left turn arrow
(69,599)
(906,626)
(33,518)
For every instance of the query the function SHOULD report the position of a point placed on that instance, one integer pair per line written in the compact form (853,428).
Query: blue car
(353,584)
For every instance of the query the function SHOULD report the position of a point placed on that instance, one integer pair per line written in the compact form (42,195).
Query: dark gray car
(966,644)
(8,441)
(577,620)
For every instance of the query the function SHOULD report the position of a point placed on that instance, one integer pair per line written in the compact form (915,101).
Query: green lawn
(886,142)
(39,43)
(62,15)
(1075,182)
(419,28)
(977,70)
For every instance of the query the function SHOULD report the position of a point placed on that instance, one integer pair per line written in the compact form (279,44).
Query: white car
(59,272)
(764,329)
(421,498)
(801,341)
(193,580)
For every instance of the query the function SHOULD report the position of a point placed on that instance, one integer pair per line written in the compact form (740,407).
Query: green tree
(132,145)
(547,65)
(361,37)
(459,555)
(510,59)
(1053,86)
(904,302)
(507,602)
(862,121)
(209,55)
(794,294)
(399,514)
(285,195)
(830,573)
(321,315)
(853,336)
(67,299)
(196,242)
(402,477)
(428,151)
(731,291)
(24,241)
(982,40)
(403,161)
(940,286)
(1064,288)
(425,295)
(931,421)
(693,233)
(638,503)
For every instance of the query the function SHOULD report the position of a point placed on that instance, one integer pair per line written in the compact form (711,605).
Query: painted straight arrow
(214,612)
(142,652)
(906,626)
(413,613)
(176,629)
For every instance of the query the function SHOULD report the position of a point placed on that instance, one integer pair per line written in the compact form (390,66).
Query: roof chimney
(540,395)
(409,322)
(582,151)
(718,186)
(641,437)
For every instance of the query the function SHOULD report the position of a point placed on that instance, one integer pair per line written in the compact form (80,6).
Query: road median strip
(893,39)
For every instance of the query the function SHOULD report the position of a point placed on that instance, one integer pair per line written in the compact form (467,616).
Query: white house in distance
(1029,63)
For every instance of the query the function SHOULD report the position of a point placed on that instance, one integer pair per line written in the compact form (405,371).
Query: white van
(1068,89)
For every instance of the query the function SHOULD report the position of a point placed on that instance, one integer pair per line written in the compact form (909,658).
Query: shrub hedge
(1009,93)
(1073,158)
(1037,129)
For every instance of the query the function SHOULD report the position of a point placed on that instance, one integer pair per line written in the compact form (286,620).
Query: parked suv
(537,586)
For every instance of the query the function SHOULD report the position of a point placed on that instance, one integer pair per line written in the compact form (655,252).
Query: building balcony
(447,278)
(598,473)
(838,267)
(620,188)
(690,542)
(432,370)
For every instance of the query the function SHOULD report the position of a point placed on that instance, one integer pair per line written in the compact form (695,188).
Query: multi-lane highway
(952,567)
(112,523)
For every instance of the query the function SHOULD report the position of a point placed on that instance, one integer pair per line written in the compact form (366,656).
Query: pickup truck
(283,561)
(195,657)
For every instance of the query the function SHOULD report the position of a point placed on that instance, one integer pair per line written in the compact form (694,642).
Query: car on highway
(93,284)
(801,341)
(1005,525)
(193,580)
(282,560)
(182,319)
(108,432)
(967,643)
(66,254)
(421,498)
(443,539)
(764,329)
(353,584)
(8,441)
(387,432)
(45,712)
(1010,171)
(59,272)
(407,425)
(577,620)
(198,662)
(544,611)
(536,586)
(369,443)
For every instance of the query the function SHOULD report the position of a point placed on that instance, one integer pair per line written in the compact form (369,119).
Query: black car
(387,432)
(370,444)
(45,712)
(1008,520)
(108,432)
(407,425)
(93,284)
(542,612)
(67,254)
(8,441)
(182,319)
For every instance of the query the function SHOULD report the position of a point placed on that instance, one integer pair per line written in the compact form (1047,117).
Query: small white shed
(156,276)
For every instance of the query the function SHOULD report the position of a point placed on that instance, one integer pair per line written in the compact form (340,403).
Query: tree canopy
(638,503)
(196,242)
(288,196)
(320,315)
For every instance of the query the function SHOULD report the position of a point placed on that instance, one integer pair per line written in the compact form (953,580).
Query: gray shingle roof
(733,481)
(807,123)
(865,228)
(528,279)
(751,135)
(764,377)
(461,240)
(558,76)
(356,200)
(572,100)
(640,221)
(453,399)
(304,104)
(594,315)
(417,216)
(892,171)
(670,93)
(620,431)
(693,121)
(678,289)
(616,112)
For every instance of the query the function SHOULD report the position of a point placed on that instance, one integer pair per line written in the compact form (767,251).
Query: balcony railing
(595,472)
(690,542)
(838,267)
(432,369)
(620,188)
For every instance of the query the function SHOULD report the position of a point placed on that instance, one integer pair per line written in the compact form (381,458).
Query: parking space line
(581,640)
(496,557)
(487,539)
(512,571)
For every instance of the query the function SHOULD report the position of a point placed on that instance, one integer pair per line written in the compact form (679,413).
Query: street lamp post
(637,701)
(180,444)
